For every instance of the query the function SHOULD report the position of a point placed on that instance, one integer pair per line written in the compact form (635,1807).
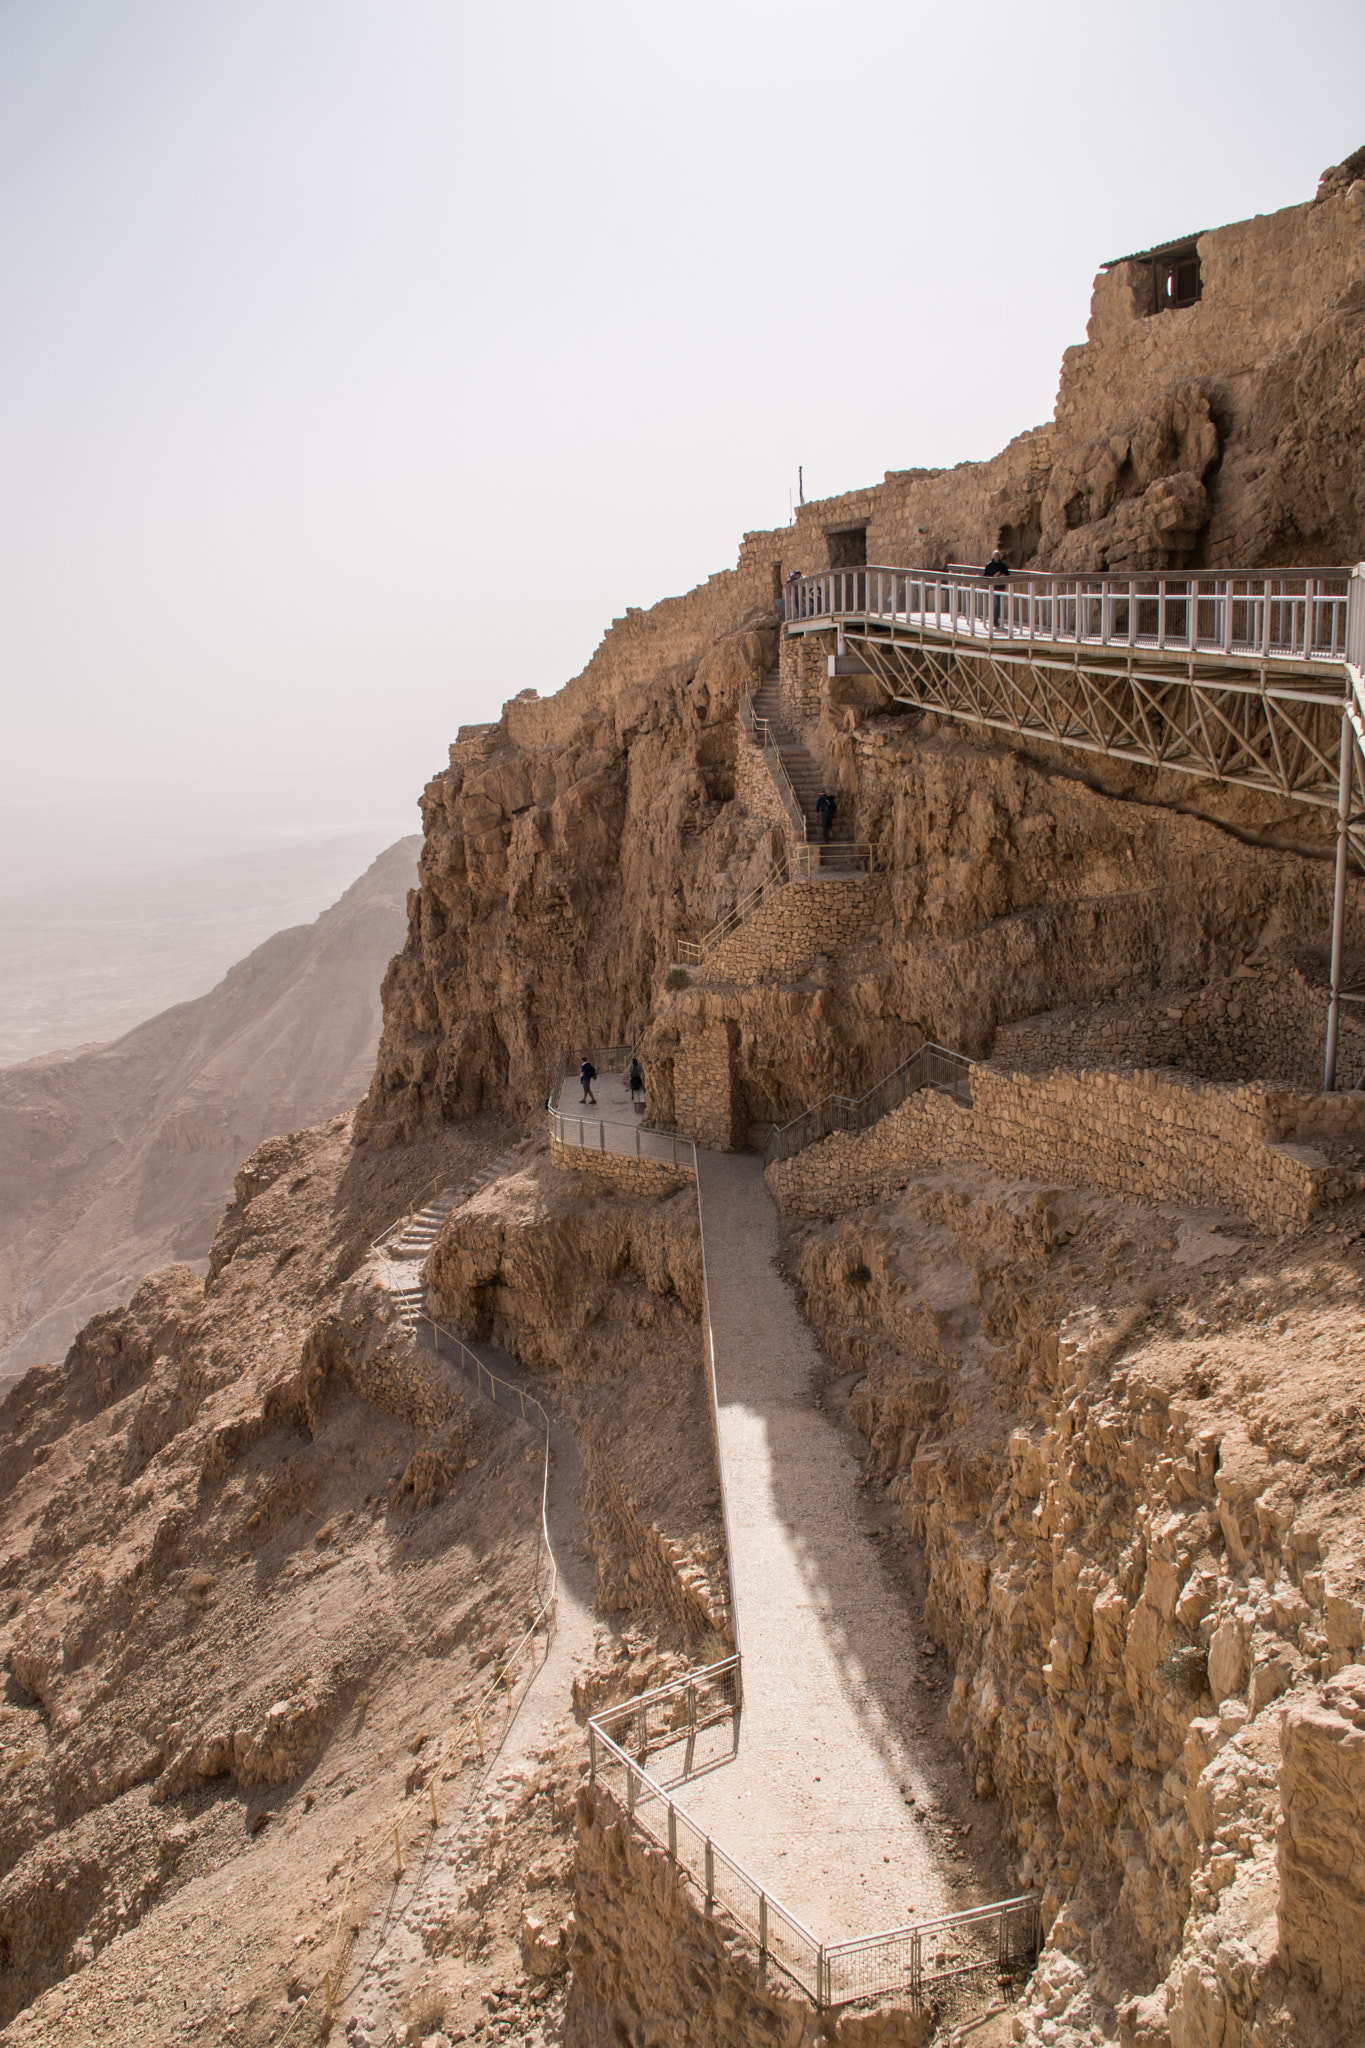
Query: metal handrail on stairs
(933,1066)
(693,952)
(763,733)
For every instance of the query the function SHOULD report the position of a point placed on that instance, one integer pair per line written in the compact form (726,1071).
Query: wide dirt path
(812,1804)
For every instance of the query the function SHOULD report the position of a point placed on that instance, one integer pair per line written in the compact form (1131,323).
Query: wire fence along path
(921,1960)
(933,1066)
(648,1749)
(614,1122)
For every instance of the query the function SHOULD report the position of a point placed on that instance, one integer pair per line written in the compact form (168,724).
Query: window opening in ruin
(1164,279)
(1177,279)
(847,546)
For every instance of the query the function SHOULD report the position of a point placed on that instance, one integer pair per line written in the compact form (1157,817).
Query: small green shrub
(859,1276)
(1185,1668)
(677,977)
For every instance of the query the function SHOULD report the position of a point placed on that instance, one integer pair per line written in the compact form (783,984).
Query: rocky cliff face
(569,845)
(1132,1455)
(565,848)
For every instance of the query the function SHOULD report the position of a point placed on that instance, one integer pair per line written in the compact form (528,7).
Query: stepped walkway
(804,780)
(797,782)
(812,1801)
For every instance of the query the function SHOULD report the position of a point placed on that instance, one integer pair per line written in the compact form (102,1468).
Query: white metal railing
(1355,620)
(1273,615)
(625,1141)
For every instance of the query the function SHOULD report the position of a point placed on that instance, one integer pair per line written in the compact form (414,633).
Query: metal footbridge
(1255,678)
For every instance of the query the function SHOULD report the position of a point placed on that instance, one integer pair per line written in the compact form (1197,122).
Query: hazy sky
(361,361)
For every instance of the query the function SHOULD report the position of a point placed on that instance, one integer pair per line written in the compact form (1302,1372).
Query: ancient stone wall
(637,1564)
(1156,1137)
(1322,1879)
(757,791)
(1224,433)
(645,1946)
(707,1103)
(802,676)
(795,926)
(644,1176)
(1264,1019)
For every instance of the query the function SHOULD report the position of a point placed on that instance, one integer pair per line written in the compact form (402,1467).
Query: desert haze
(115,1159)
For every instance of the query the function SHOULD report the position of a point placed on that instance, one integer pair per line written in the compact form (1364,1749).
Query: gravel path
(812,1804)
(424,1903)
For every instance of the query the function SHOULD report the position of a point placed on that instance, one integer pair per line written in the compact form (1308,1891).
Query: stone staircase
(803,773)
(422,1228)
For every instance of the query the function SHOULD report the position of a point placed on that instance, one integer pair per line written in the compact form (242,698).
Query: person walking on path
(587,1074)
(825,807)
(996,567)
(635,1081)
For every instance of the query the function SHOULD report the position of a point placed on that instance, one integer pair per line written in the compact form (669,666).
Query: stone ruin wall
(642,1176)
(795,926)
(638,1565)
(1150,1137)
(644,1945)
(571,841)
(1263,1019)
(1222,434)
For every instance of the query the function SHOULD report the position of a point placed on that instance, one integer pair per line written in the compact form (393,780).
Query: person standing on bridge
(587,1074)
(996,567)
(825,807)
(635,1081)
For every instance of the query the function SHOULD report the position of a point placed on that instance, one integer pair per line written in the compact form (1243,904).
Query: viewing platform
(1248,677)
(1300,618)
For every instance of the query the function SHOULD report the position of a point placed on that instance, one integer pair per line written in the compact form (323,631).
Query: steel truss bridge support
(1255,679)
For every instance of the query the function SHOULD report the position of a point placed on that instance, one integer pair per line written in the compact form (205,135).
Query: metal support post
(763,1927)
(1329,1067)
(592,1754)
(672,1831)
(710,1873)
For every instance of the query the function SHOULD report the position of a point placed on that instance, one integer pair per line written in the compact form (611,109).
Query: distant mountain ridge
(119,1158)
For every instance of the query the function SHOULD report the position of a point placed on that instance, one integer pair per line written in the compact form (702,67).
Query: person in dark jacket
(635,1080)
(996,567)
(825,807)
(587,1074)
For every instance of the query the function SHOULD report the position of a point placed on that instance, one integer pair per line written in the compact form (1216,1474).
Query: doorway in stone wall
(847,546)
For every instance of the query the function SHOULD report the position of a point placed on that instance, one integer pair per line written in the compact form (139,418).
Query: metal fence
(919,1961)
(928,1958)
(675,1718)
(933,1066)
(625,1141)
(693,952)
(1355,620)
(1299,615)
